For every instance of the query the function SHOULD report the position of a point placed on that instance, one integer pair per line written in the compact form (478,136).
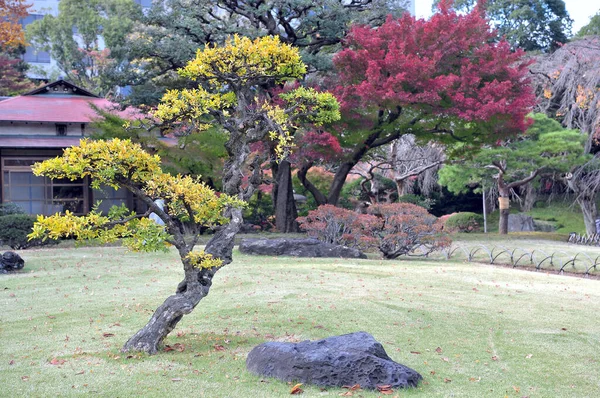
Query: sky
(580,11)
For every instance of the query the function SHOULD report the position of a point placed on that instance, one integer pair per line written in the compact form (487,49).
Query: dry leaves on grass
(56,361)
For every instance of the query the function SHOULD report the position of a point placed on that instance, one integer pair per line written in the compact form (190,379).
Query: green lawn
(471,330)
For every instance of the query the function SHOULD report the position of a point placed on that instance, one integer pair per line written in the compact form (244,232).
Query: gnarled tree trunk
(197,281)
(285,206)
(190,291)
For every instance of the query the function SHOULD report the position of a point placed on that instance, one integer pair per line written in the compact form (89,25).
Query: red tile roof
(55,109)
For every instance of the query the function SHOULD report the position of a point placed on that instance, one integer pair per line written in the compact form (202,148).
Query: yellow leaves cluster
(185,195)
(138,234)
(122,163)
(103,161)
(242,60)
(11,31)
(313,106)
(584,97)
(193,104)
(200,259)
(318,107)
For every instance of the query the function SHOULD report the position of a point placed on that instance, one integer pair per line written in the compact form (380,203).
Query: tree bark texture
(503,227)
(590,212)
(285,206)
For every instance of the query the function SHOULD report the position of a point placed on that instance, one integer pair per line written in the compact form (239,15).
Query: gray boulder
(350,359)
(10,261)
(520,222)
(297,248)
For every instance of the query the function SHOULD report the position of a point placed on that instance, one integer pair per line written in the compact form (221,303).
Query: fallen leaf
(56,361)
(51,317)
(438,350)
(25,378)
(415,352)
(12,362)
(517,389)
(352,388)
(347,394)
(80,372)
(385,389)
(179,347)
(108,334)
(445,359)
(447,380)
(563,328)
(219,347)
(432,372)
(494,358)
(296,389)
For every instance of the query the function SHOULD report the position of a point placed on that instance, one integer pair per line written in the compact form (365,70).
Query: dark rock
(336,361)
(11,261)
(544,226)
(520,222)
(297,248)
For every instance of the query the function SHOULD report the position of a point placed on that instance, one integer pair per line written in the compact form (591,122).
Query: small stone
(337,361)
(10,261)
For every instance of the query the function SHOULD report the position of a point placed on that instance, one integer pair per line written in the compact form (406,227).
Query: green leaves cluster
(546,146)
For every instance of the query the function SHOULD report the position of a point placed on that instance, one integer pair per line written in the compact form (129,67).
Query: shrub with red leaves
(394,229)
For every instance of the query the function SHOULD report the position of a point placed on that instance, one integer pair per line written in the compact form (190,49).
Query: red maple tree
(446,78)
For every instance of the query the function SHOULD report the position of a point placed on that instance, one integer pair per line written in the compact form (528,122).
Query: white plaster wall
(38,129)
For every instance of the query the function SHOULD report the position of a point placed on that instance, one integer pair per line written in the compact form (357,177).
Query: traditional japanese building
(37,126)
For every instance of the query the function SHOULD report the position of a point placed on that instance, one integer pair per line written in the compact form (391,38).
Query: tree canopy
(532,25)
(166,37)
(592,28)
(546,148)
(11,32)
(87,40)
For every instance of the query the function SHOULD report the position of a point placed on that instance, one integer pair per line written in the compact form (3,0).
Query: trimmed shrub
(395,229)
(331,224)
(464,222)
(14,229)
(9,208)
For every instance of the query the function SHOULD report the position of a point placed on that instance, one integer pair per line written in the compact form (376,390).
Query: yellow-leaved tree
(123,164)
(230,93)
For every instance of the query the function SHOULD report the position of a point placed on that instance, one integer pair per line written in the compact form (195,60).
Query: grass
(471,330)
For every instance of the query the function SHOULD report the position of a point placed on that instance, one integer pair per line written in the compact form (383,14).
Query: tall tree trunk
(530,197)
(285,206)
(504,201)
(590,212)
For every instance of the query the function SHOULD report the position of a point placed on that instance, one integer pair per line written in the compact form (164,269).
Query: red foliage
(12,81)
(331,224)
(395,229)
(312,146)
(447,66)
(407,228)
